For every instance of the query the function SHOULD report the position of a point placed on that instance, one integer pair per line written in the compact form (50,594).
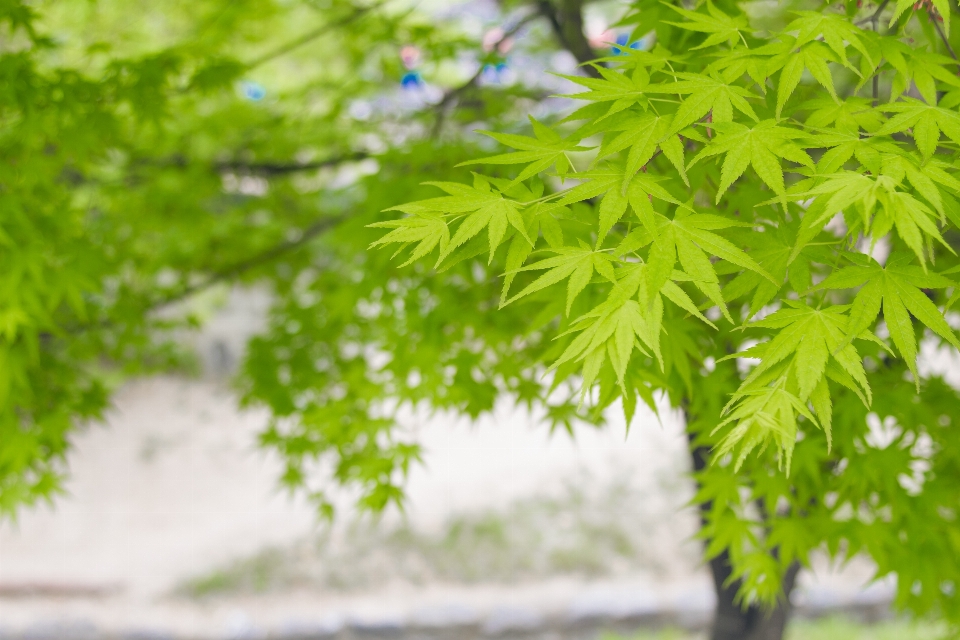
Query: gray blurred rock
(386,627)
(693,607)
(876,593)
(446,615)
(511,620)
(62,630)
(820,598)
(146,634)
(613,604)
(310,629)
(241,627)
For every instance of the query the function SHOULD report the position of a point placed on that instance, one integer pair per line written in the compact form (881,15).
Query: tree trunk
(566,19)
(731,621)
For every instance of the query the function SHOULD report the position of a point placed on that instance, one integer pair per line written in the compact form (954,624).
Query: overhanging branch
(247,264)
(454,93)
(229,272)
(310,36)
(283,168)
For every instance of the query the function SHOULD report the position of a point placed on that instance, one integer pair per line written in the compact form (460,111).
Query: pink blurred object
(603,39)
(496,38)
(410,55)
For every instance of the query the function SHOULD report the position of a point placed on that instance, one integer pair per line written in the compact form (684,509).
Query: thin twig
(580,49)
(247,264)
(569,31)
(227,273)
(876,74)
(943,36)
(264,168)
(313,35)
(873,17)
(452,94)
(874,20)
(283,168)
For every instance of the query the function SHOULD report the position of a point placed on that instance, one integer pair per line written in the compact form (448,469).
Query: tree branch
(943,36)
(226,273)
(310,36)
(264,168)
(875,16)
(282,168)
(875,22)
(454,93)
(567,23)
(247,264)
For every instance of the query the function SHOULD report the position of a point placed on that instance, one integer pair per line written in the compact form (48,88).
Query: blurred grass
(832,628)
(607,532)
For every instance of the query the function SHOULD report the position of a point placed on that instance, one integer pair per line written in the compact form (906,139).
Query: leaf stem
(943,36)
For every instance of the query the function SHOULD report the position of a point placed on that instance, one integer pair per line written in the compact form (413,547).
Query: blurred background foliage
(155,152)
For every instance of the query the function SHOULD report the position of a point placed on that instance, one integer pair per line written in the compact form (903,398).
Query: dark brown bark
(284,168)
(731,620)
(566,20)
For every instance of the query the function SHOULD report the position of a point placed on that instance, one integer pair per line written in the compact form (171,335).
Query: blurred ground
(173,523)
(173,526)
(833,628)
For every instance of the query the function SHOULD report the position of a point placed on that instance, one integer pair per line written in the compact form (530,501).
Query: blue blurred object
(253,90)
(493,73)
(411,80)
(622,40)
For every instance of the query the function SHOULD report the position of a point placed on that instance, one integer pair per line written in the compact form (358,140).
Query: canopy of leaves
(773,203)
(754,213)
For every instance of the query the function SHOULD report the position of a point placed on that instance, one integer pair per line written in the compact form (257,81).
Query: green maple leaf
(808,335)
(762,415)
(942,6)
(610,333)
(642,134)
(484,209)
(842,145)
(622,90)
(752,61)
(726,531)
(612,330)
(521,246)
(542,152)
(723,28)
(926,120)
(793,368)
(707,94)
(812,56)
(849,115)
(690,238)
(917,67)
(577,264)
(761,146)
(838,32)
(773,250)
(619,188)
(912,218)
(611,209)
(429,230)
(896,289)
